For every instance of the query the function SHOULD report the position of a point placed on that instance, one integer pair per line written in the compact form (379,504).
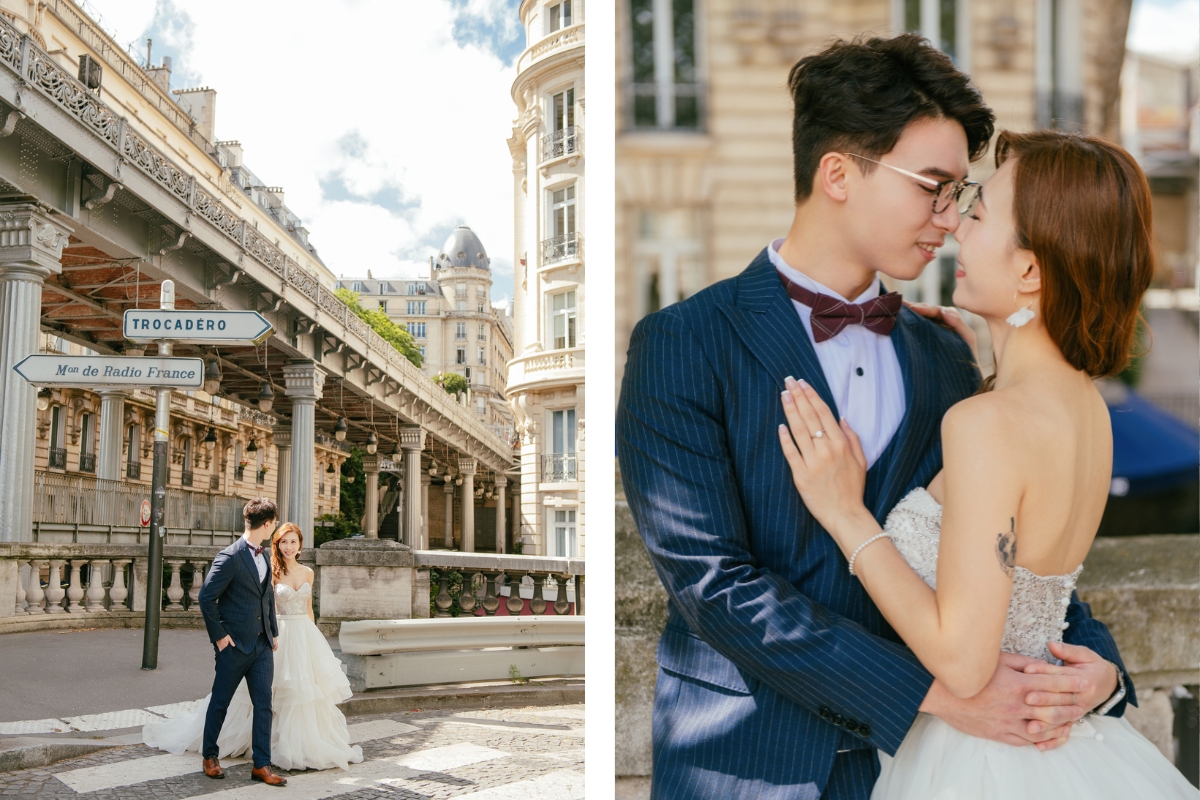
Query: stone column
(466,468)
(448,489)
(283,473)
(112,434)
(516,511)
(371,501)
(30,250)
(424,540)
(303,381)
(501,483)
(412,442)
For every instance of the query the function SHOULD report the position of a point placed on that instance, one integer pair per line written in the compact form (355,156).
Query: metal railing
(560,143)
(214,482)
(558,467)
(186,477)
(87,462)
(261,478)
(57,458)
(562,247)
(133,469)
(239,472)
(76,500)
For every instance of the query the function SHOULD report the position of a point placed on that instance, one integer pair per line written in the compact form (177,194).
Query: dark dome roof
(463,249)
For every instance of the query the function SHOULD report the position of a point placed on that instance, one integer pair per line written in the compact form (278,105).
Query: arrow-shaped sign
(196,327)
(122,371)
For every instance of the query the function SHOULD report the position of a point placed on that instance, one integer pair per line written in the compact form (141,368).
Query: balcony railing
(562,247)
(87,462)
(77,500)
(261,478)
(558,467)
(239,473)
(185,478)
(562,143)
(57,458)
(133,469)
(214,483)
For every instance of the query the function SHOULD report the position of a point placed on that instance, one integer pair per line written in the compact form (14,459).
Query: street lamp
(210,439)
(266,397)
(372,442)
(43,399)
(329,471)
(252,447)
(396,451)
(339,430)
(212,376)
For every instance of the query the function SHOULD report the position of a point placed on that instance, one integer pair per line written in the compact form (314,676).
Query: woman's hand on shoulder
(828,465)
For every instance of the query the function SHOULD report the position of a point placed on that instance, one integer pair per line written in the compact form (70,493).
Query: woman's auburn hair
(1081,205)
(278,563)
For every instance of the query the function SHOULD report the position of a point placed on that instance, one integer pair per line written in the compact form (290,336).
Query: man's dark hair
(259,511)
(859,96)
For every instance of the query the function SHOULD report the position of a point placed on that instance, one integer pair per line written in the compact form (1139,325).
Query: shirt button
(858,371)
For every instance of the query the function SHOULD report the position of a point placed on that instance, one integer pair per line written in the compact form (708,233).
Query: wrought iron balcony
(57,458)
(261,478)
(185,478)
(558,467)
(321,489)
(214,483)
(87,462)
(562,248)
(133,469)
(565,142)
(239,472)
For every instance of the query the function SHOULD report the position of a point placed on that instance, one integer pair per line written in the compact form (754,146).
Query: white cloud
(383,121)
(1166,28)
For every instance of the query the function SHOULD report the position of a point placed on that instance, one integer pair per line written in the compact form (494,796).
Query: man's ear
(831,175)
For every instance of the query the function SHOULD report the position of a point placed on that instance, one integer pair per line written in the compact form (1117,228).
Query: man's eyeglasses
(965,194)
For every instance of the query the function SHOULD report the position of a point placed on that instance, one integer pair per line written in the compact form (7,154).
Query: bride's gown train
(1104,758)
(307,728)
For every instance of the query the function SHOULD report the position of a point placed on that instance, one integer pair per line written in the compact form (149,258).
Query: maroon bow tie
(830,315)
(255,549)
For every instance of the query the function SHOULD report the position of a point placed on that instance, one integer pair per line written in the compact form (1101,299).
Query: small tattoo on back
(1006,548)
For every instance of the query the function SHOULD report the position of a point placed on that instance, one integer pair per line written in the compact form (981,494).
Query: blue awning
(1152,450)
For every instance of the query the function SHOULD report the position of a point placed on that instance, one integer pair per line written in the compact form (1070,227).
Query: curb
(498,695)
(26,753)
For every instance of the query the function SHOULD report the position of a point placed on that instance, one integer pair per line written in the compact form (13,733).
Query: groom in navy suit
(778,677)
(238,604)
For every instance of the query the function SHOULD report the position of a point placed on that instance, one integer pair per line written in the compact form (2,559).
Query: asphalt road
(68,673)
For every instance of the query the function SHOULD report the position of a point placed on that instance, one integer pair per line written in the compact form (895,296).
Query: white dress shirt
(260,561)
(860,366)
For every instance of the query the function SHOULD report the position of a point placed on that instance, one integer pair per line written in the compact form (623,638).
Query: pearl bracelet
(874,538)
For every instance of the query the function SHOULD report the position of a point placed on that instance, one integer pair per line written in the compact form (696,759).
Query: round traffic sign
(145,513)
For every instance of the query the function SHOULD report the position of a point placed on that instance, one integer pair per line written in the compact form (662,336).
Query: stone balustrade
(545,585)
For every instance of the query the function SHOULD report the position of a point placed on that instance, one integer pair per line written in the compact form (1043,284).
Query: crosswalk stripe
(138,770)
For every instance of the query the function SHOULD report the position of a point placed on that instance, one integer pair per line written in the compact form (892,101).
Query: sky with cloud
(385,122)
(1165,27)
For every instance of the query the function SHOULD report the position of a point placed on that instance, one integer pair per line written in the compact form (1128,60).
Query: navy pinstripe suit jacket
(774,658)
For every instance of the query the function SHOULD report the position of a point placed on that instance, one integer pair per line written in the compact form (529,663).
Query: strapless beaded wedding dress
(1104,758)
(307,728)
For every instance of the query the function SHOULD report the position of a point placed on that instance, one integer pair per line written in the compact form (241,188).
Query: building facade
(546,375)
(452,320)
(704,164)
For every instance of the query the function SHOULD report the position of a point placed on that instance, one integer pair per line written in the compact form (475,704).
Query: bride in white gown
(307,728)
(1062,238)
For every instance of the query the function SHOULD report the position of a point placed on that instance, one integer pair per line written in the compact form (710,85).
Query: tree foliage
(395,335)
(452,382)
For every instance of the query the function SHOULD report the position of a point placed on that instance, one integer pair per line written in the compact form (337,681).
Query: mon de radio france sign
(49,369)
(196,327)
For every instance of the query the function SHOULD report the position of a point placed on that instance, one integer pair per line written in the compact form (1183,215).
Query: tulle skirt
(1104,758)
(307,728)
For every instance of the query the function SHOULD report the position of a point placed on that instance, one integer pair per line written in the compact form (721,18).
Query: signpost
(196,327)
(166,326)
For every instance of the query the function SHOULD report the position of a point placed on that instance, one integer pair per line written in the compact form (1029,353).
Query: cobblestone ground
(486,754)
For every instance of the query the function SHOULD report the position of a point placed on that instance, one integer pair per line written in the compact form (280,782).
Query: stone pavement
(482,754)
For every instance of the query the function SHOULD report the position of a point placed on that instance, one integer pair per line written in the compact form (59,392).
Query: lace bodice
(289,601)
(1038,608)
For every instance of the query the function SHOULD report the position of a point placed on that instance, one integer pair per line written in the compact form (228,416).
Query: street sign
(49,369)
(196,327)
(145,513)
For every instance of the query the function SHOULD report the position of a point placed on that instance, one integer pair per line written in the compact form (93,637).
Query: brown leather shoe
(212,768)
(265,775)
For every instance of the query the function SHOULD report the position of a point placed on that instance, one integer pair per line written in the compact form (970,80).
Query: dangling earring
(1021,316)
